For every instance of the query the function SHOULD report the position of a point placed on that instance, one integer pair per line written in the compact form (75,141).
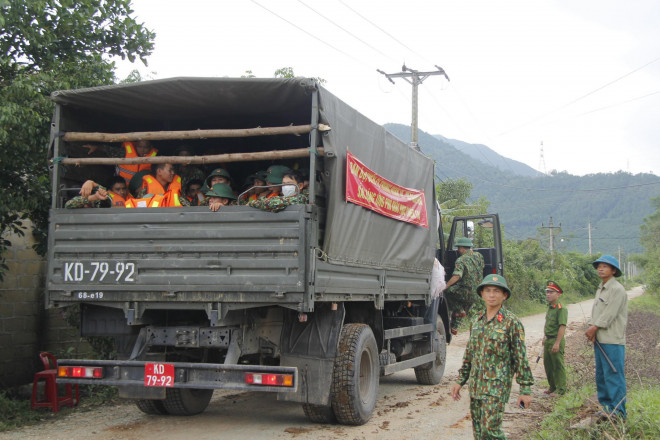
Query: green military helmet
(275,173)
(136,182)
(221,190)
(494,280)
(464,242)
(261,175)
(218,172)
(249,180)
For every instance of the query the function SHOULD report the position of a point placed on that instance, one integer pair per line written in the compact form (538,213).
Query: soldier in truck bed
(92,195)
(127,150)
(288,191)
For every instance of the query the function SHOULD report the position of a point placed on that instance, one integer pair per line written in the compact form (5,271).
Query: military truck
(313,303)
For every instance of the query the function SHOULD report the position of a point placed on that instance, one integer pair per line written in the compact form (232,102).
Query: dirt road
(405,410)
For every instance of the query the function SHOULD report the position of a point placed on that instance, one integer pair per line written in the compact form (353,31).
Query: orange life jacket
(150,201)
(117,200)
(171,199)
(168,200)
(154,187)
(128,171)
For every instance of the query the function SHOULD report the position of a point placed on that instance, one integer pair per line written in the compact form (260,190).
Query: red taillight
(86,372)
(277,380)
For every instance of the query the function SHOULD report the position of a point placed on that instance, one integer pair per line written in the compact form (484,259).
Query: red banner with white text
(368,189)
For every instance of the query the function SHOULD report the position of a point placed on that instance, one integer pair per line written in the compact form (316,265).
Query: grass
(648,302)
(643,399)
(16,412)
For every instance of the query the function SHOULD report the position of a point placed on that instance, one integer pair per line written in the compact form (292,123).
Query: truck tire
(431,373)
(186,401)
(153,407)
(319,414)
(355,375)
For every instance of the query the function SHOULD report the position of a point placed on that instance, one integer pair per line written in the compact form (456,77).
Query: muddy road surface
(405,410)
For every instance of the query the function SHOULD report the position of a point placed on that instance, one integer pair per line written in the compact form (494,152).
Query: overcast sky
(581,77)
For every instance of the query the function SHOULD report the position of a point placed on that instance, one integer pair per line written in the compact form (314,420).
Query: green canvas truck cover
(354,236)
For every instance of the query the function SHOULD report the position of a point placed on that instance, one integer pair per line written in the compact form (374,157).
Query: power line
(619,103)
(310,34)
(578,99)
(384,31)
(345,30)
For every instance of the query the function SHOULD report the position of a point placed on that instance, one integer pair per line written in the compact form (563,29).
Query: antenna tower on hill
(542,161)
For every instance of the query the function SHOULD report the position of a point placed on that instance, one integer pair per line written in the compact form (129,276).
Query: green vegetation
(650,260)
(16,412)
(64,45)
(524,202)
(642,373)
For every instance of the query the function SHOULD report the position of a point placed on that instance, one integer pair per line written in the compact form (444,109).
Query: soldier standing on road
(556,319)
(607,330)
(495,352)
(461,287)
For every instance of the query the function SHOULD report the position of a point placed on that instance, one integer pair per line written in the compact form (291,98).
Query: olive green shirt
(610,313)
(555,317)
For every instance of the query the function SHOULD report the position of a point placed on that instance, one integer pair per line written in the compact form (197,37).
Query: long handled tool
(600,347)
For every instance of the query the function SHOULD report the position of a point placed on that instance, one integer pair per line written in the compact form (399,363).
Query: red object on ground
(51,398)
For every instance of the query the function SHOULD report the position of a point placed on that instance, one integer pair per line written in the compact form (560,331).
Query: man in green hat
(220,195)
(289,191)
(494,354)
(274,176)
(462,285)
(218,175)
(556,319)
(607,330)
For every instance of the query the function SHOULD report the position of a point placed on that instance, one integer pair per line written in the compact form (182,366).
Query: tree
(287,72)
(650,239)
(48,45)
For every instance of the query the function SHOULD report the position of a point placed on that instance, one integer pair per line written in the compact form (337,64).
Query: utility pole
(551,227)
(590,228)
(415,78)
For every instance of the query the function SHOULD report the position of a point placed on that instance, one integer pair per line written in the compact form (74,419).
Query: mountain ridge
(614,205)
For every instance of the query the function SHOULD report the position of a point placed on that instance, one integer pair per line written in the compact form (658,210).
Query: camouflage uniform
(80,202)
(555,369)
(495,352)
(278,203)
(462,295)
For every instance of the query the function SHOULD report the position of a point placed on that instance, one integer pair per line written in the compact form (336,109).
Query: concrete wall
(26,328)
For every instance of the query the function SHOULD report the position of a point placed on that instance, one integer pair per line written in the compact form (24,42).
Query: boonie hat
(494,280)
(609,260)
(221,190)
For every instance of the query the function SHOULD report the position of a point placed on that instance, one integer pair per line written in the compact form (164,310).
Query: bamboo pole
(188,160)
(77,136)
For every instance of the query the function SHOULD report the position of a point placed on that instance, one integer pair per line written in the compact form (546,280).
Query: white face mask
(288,190)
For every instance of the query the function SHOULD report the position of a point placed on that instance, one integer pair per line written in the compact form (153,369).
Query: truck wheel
(319,414)
(154,407)
(431,373)
(355,375)
(186,401)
